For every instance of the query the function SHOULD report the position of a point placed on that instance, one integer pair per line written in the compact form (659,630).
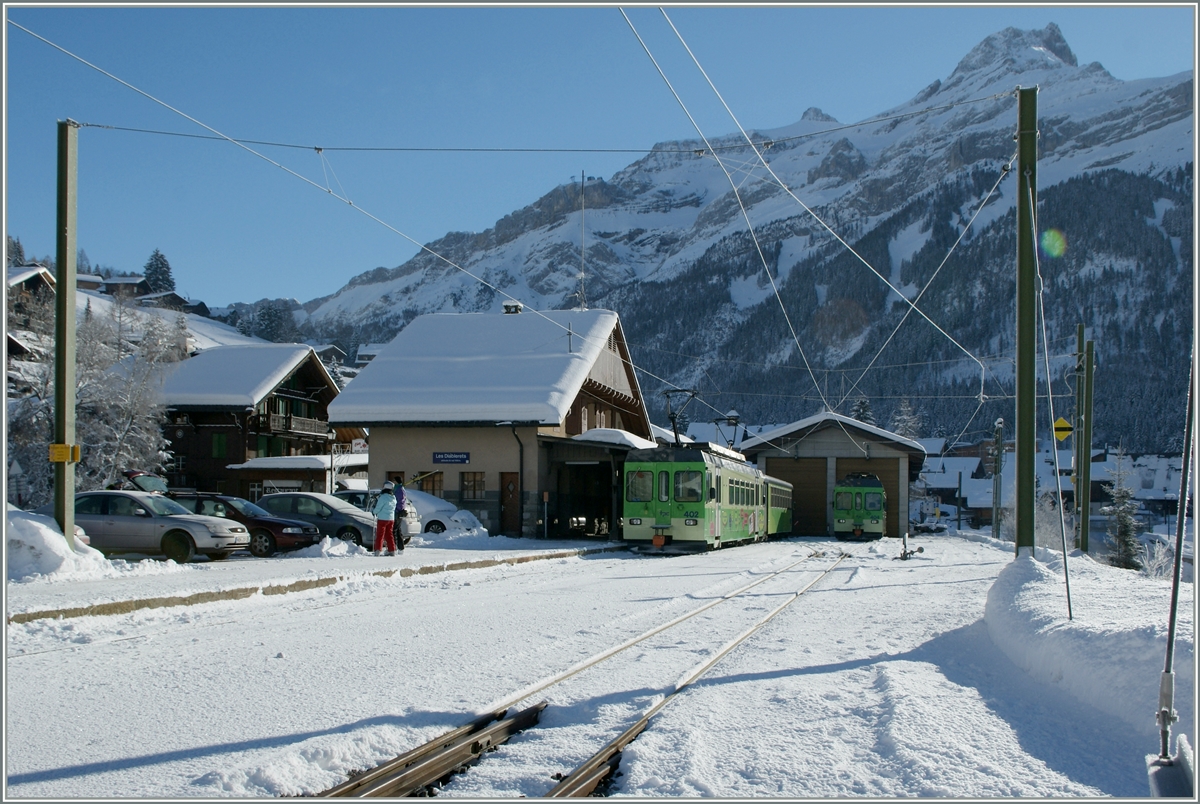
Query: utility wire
(766,143)
(330,192)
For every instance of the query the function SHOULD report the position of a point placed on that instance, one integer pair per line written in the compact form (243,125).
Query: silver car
(141,522)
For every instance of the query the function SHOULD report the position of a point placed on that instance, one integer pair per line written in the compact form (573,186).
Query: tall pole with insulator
(64,452)
(1026,432)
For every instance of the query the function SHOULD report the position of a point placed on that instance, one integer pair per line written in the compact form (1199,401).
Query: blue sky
(237,228)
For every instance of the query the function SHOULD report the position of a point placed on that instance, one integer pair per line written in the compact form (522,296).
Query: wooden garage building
(813,454)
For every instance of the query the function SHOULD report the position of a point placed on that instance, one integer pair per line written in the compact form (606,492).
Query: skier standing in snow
(385,516)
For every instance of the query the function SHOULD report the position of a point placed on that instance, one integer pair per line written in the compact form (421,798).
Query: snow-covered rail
(420,770)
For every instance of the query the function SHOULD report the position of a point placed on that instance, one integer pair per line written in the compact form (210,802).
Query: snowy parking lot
(955,673)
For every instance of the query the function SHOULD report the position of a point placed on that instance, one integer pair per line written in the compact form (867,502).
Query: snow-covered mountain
(667,246)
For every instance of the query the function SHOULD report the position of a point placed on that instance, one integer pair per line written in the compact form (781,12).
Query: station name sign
(451,457)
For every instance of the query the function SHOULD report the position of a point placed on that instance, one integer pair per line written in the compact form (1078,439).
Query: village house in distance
(523,418)
(230,404)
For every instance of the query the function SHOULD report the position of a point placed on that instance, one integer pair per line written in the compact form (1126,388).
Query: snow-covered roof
(22,273)
(939,473)
(233,376)
(665,434)
(320,462)
(933,446)
(834,418)
(478,367)
(608,435)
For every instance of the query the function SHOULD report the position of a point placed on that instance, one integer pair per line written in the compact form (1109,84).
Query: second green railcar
(859,508)
(700,497)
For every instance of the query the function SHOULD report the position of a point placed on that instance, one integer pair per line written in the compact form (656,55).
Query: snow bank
(1110,654)
(38,551)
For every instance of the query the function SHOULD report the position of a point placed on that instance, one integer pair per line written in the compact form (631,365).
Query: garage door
(887,471)
(810,498)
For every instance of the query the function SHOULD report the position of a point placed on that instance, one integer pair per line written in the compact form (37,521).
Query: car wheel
(435,527)
(262,543)
(350,535)
(179,547)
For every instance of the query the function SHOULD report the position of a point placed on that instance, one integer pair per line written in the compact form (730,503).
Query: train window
(874,501)
(664,486)
(858,501)
(844,501)
(688,486)
(639,486)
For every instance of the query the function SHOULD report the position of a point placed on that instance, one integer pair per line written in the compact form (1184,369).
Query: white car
(434,512)
(427,513)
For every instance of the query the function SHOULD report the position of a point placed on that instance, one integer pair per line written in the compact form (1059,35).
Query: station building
(522,418)
(814,454)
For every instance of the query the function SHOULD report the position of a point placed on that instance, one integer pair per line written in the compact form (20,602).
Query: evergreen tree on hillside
(906,422)
(16,252)
(158,273)
(1122,527)
(862,411)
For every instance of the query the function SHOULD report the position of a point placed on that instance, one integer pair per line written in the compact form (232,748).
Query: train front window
(874,501)
(688,486)
(664,486)
(844,501)
(639,486)
(858,501)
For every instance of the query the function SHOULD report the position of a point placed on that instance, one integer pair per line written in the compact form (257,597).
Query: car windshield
(247,508)
(338,504)
(149,482)
(163,506)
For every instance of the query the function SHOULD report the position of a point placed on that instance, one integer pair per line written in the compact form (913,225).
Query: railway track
(421,770)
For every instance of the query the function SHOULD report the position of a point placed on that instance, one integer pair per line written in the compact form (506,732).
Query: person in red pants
(385,520)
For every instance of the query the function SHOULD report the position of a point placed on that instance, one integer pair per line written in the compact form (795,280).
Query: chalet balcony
(284,423)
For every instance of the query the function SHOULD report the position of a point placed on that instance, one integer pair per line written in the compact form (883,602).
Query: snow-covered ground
(955,673)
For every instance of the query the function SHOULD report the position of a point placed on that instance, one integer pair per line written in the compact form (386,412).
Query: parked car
(138,480)
(432,513)
(358,498)
(151,523)
(331,515)
(268,533)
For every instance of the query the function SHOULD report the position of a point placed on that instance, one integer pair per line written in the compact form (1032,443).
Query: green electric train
(700,497)
(859,508)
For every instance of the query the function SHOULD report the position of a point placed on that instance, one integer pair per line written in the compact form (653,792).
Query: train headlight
(635,521)
(841,522)
(689,522)
(874,521)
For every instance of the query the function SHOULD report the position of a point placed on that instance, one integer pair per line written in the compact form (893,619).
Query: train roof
(860,479)
(693,452)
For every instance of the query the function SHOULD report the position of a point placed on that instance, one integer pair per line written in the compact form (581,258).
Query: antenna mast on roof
(582,293)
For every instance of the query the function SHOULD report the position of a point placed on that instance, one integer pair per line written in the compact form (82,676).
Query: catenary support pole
(1077,448)
(1085,479)
(1026,334)
(64,452)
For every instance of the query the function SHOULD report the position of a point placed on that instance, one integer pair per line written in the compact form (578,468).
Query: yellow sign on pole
(1062,429)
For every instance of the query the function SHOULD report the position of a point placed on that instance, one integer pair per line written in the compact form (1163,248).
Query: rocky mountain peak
(1019,49)
(815,114)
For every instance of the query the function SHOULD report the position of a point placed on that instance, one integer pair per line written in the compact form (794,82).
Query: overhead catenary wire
(1041,307)
(328,191)
(342,196)
(806,208)
(737,195)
